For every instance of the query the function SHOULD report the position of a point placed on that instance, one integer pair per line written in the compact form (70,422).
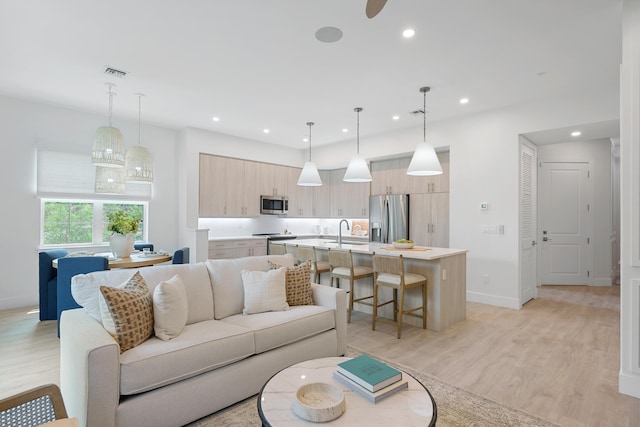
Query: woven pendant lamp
(108,144)
(139,161)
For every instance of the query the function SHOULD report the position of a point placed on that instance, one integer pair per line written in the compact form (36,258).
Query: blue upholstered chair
(141,246)
(69,267)
(48,283)
(181,256)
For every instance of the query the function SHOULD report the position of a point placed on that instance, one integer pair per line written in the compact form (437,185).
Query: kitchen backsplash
(234,227)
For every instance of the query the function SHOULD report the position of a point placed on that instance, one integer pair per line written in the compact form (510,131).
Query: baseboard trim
(493,300)
(629,384)
(601,281)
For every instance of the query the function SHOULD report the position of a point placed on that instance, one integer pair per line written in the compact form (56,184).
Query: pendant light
(109,180)
(108,145)
(425,160)
(357,171)
(309,177)
(138,161)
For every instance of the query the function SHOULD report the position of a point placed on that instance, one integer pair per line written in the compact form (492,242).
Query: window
(83,222)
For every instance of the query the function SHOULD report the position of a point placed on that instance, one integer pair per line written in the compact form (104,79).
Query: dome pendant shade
(139,165)
(309,177)
(108,148)
(424,161)
(358,171)
(109,180)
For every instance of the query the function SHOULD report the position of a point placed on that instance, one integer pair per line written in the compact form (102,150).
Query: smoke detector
(114,72)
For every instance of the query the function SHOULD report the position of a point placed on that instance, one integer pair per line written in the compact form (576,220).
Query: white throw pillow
(170,308)
(264,291)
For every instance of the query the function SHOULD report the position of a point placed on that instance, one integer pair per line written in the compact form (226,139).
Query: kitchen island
(444,268)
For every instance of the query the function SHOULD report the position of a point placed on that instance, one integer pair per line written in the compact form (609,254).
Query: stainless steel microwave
(274,205)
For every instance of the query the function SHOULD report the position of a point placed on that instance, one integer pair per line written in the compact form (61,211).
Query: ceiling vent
(110,71)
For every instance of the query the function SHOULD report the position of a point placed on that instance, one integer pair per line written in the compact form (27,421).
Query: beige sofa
(220,358)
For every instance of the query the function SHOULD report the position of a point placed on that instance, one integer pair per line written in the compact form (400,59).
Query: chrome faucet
(340,230)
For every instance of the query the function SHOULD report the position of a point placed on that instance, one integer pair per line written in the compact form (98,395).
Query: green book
(370,373)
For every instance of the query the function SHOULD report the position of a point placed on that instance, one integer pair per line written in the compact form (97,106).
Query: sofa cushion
(201,347)
(226,280)
(264,291)
(85,287)
(127,312)
(278,328)
(170,308)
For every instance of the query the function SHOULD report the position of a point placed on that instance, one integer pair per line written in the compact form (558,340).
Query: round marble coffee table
(411,407)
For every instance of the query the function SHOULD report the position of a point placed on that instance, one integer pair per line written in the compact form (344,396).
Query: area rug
(456,407)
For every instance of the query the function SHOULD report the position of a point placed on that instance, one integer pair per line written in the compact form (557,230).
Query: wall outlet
(485,279)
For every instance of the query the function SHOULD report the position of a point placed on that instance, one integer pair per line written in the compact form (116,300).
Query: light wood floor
(557,358)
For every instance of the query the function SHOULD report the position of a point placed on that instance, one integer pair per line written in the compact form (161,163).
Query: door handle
(545,239)
(533,243)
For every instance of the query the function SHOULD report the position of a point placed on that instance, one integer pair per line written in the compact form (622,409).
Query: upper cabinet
(348,199)
(227,187)
(390,177)
(273,179)
(300,197)
(321,202)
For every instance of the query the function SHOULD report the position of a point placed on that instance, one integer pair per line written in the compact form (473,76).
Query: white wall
(23,123)
(630,201)
(598,154)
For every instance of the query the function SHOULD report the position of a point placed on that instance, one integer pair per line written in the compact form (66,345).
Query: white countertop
(430,253)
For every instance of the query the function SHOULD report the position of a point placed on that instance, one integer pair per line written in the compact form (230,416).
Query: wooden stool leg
(424,306)
(395,304)
(375,306)
(350,300)
(401,311)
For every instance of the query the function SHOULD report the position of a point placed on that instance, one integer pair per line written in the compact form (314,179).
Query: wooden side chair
(277,249)
(308,253)
(342,267)
(389,271)
(34,407)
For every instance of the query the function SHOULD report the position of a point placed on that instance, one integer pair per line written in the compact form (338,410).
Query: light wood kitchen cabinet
(348,199)
(300,197)
(273,179)
(212,187)
(237,248)
(227,187)
(390,177)
(429,219)
(321,203)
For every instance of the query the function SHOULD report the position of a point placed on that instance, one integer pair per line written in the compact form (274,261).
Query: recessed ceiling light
(408,33)
(396,117)
(305,139)
(464,101)
(576,133)
(216,119)
(345,130)
(266,131)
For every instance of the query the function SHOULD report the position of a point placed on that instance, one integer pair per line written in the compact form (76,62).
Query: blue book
(370,373)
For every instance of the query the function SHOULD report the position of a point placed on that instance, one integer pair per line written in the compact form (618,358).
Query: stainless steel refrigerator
(388,218)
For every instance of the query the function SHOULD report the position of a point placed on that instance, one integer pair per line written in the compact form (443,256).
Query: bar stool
(389,271)
(341,264)
(308,253)
(276,249)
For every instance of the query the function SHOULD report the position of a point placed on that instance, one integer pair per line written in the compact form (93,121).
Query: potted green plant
(122,226)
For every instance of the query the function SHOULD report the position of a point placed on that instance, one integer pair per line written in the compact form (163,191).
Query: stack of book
(371,378)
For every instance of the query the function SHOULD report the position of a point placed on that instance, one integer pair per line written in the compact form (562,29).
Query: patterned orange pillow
(127,312)
(298,284)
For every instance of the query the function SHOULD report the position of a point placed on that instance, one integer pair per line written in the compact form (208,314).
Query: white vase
(121,244)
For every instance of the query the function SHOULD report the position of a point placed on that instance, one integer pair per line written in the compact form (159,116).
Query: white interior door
(528,223)
(564,216)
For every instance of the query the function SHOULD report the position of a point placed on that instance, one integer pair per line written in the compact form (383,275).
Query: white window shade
(72,174)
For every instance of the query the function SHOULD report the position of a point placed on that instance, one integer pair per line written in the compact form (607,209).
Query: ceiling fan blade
(374,7)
